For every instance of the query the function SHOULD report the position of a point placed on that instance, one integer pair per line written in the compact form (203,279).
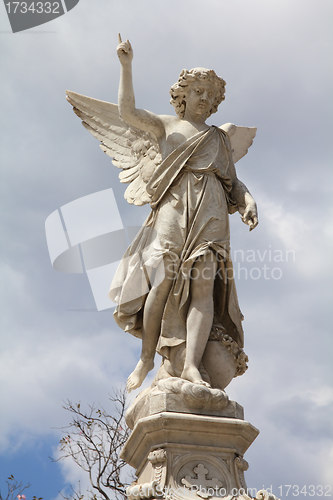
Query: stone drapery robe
(190,200)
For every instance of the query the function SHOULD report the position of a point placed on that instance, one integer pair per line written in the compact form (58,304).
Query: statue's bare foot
(193,375)
(139,374)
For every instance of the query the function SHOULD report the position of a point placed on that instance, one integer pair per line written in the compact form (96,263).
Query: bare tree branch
(15,489)
(94,439)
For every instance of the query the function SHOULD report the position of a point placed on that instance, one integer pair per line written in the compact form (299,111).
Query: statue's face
(200,98)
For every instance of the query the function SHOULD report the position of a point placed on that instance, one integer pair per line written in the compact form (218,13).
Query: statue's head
(190,77)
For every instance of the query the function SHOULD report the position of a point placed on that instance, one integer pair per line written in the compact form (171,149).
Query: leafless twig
(94,439)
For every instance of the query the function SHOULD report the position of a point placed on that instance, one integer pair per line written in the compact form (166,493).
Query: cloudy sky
(276,58)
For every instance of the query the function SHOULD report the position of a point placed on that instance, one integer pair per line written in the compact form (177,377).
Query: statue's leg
(152,317)
(200,316)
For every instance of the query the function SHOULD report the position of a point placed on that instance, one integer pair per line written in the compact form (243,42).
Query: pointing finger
(119,38)
(253,223)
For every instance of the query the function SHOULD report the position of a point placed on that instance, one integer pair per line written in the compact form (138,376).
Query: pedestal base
(180,455)
(181,396)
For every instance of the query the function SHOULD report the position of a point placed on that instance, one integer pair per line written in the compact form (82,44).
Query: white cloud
(303,231)
(35,379)
(74,477)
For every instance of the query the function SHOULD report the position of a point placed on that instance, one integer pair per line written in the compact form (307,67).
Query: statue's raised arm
(139,118)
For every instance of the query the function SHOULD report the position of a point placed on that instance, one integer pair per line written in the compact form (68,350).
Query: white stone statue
(174,287)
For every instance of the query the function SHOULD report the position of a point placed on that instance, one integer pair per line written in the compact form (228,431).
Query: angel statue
(174,287)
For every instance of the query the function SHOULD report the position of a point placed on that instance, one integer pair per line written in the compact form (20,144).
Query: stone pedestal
(188,442)
(181,455)
(177,395)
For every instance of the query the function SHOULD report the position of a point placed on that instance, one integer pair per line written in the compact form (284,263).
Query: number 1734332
(34,7)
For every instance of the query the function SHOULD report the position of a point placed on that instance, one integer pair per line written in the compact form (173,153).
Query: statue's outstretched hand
(250,216)
(124,51)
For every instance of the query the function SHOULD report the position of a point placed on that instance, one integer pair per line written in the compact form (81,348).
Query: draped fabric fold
(190,199)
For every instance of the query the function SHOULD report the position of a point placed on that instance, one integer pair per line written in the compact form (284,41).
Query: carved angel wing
(132,150)
(241,139)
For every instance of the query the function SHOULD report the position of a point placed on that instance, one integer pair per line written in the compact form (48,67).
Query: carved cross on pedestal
(201,481)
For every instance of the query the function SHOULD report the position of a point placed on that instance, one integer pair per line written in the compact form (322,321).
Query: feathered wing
(134,151)
(241,138)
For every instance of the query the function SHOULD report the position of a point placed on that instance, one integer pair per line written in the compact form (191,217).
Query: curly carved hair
(187,77)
